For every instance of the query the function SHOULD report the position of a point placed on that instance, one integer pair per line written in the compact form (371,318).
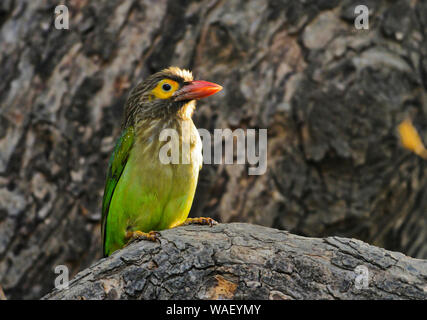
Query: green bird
(143,193)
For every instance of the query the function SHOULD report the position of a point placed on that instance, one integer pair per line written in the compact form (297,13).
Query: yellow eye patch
(165,88)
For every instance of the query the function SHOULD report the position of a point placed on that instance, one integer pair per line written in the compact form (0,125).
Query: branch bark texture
(244,261)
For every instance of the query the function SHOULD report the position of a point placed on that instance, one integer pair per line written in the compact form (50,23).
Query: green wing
(116,165)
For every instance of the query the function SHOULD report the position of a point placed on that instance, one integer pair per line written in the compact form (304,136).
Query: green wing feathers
(116,165)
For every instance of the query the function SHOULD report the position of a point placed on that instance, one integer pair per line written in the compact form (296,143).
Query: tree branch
(244,261)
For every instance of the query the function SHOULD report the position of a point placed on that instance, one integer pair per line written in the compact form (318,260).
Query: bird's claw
(131,236)
(211,222)
(200,220)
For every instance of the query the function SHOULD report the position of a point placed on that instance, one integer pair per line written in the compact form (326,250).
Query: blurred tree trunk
(331,97)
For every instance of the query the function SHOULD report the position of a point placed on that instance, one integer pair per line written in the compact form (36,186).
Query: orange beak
(196,90)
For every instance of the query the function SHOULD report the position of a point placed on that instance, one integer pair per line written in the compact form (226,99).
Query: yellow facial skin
(165,89)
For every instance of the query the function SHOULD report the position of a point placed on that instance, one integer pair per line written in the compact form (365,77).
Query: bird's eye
(166,87)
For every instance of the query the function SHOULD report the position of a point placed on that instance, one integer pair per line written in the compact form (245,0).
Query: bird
(143,194)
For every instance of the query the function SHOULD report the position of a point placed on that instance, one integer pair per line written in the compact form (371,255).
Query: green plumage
(143,194)
(116,165)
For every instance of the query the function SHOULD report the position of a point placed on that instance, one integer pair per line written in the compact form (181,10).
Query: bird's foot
(131,236)
(200,220)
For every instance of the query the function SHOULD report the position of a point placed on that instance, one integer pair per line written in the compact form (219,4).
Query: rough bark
(243,261)
(331,97)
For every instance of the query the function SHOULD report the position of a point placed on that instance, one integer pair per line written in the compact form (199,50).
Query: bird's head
(169,92)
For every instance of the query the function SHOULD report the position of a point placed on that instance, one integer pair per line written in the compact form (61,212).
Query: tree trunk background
(331,97)
(243,261)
